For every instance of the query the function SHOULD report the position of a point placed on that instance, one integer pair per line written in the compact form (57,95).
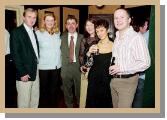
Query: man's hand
(114,69)
(25,78)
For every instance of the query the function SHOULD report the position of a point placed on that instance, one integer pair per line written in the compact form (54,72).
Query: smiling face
(71,25)
(121,19)
(90,27)
(49,22)
(30,18)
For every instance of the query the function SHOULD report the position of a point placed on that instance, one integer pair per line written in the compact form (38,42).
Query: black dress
(98,92)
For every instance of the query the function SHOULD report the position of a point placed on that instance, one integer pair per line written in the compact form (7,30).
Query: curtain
(149,85)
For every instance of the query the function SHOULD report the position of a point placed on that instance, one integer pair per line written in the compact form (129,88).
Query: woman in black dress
(98,92)
(90,38)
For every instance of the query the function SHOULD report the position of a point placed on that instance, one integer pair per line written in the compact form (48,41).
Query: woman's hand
(92,49)
(83,69)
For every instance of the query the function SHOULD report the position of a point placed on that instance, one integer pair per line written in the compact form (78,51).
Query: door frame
(19,9)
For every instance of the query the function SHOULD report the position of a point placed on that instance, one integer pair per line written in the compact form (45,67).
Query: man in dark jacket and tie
(70,71)
(25,53)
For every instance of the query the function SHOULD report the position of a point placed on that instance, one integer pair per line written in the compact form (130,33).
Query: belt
(124,76)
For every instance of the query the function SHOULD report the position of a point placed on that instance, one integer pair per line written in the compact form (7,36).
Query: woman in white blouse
(49,61)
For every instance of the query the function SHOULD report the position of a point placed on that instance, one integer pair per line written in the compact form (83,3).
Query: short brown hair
(102,23)
(71,17)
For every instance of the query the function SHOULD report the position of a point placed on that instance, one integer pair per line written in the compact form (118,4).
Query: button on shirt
(75,41)
(131,52)
(32,38)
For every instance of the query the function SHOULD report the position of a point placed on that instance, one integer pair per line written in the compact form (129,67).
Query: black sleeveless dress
(98,92)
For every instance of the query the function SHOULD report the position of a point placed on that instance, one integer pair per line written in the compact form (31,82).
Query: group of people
(44,56)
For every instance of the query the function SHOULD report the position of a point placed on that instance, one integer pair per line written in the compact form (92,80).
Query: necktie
(72,49)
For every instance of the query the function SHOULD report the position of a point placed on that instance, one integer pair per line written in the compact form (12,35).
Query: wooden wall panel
(55,10)
(131,6)
(69,11)
(107,9)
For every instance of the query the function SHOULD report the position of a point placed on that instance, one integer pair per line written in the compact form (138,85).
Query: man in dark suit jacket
(70,71)
(25,52)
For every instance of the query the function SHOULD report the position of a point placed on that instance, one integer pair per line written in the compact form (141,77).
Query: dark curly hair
(102,23)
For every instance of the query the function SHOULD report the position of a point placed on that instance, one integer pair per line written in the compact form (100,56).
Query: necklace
(104,42)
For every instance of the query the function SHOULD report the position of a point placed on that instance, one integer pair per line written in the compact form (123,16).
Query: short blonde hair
(29,10)
(55,28)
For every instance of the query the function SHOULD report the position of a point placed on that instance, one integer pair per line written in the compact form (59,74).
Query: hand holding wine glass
(94,49)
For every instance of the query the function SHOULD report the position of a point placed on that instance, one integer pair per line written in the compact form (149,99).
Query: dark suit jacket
(23,53)
(65,48)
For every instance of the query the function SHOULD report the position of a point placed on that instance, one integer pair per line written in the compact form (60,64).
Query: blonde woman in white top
(49,61)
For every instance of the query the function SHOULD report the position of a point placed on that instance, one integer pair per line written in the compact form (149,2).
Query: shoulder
(80,35)
(57,34)
(18,30)
(136,38)
(134,35)
(37,32)
(84,39)
(64,34)
(40,32)
(7,33)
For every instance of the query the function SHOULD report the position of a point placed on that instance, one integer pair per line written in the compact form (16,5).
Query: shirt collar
(74,34)
(127,32)
(28,29)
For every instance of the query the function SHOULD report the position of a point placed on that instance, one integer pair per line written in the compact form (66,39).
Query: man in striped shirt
(131,57)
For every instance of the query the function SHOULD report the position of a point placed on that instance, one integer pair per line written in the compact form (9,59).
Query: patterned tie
(72,49)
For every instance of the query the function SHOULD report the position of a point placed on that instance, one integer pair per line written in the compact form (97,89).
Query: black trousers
(49,84)
(10,83)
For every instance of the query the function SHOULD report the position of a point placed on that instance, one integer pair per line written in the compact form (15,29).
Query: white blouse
(50,53)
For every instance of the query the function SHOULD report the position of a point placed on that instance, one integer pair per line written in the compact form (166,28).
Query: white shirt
(146,36)
(75,41)
(131,52)
(50,53)
(7,42)
(32,38)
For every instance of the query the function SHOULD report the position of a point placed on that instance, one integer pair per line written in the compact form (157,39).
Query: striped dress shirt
(131,52)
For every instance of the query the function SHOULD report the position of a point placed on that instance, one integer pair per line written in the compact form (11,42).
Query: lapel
(66,42)
(77,43)
(28,41)
(77,46)
(36,41)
